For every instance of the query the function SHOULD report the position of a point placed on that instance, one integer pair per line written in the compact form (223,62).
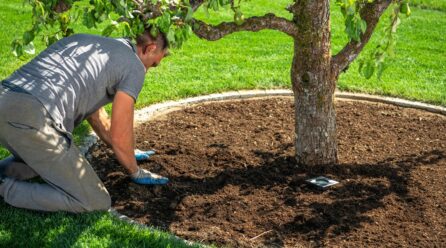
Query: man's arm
(118,133)
(121,131)
(101,123)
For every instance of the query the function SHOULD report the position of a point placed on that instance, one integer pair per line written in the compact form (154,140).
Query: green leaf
(361,66)
(17,48)
(224,2)
(29,48)
(64,19)
(179,38)
(52,39)
(238,16)
(214,5)
(164,22)
(368,69)
(88,19)
(40,10)
(171,37)
(108,30)
(187,31)
(28,36)
(154,31)
(380,69)
(405,9)
(126,29)
(189,15)
(137,27)
(363,26)
(69,32)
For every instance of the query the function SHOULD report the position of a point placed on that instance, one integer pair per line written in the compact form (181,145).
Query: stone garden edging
(147,113)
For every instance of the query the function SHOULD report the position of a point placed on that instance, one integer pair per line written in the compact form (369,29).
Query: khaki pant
(40,148)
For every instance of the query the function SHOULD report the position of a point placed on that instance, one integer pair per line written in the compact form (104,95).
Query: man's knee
(99,202)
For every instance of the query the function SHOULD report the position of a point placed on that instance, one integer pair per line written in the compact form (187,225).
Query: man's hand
(143,176)
(143,155)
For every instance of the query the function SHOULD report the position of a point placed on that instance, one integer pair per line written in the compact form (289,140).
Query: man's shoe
(4,163)
(2,180)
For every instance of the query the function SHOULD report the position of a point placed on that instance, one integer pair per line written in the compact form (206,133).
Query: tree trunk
(313,85)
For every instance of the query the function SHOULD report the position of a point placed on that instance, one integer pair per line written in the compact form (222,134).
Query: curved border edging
(392,100)
(129,220)
(146,113)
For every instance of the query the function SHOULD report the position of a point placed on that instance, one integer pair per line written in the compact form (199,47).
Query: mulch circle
(234,181)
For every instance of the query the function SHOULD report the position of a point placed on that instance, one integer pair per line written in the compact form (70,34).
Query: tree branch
(195,4)
(139,5)
(61,6)
(371,13)
(254,24)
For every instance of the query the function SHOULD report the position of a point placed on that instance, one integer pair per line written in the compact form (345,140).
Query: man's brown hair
(147,37)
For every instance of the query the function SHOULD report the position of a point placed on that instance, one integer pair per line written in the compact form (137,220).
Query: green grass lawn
(21,228)
(240,61)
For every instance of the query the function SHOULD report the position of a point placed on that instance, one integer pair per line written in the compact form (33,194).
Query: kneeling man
(43,101)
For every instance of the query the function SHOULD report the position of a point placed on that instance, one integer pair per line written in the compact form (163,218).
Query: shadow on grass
(24,228)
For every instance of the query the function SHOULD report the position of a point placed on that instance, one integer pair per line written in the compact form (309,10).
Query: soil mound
(234,181)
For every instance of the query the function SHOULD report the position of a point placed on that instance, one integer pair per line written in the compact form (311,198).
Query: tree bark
(253,24)
(314,84)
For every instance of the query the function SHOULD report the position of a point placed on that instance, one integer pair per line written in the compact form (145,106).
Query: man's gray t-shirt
(77,75)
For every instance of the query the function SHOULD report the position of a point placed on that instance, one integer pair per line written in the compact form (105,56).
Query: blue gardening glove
(143,155)
(143,176)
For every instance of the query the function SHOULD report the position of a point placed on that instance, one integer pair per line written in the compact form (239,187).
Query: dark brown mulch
(233,177)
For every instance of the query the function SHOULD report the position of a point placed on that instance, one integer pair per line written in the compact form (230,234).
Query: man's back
(77,75)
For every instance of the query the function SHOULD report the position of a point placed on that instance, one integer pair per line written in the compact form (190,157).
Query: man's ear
(149,48)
